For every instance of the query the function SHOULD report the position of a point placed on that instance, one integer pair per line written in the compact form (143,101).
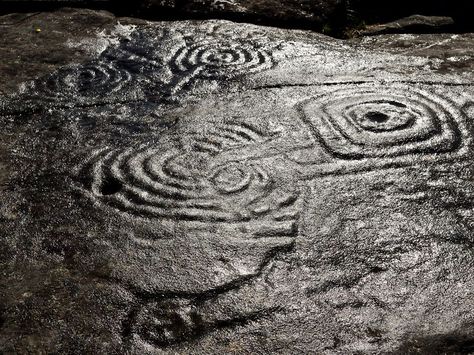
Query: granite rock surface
(207,187)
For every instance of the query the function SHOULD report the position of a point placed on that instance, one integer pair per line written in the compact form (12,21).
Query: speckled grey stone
(206,187)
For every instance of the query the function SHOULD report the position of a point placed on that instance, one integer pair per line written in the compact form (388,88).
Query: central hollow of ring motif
(381,116)
(231,178)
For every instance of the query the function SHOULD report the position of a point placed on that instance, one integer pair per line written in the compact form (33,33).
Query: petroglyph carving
(166,323)
(370,126)
(383,121)
(184,178)
(221,59)
(92,80)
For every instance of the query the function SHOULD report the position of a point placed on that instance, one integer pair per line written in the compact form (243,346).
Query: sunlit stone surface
(214,188)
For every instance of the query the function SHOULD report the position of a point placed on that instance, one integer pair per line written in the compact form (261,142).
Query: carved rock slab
(209,187)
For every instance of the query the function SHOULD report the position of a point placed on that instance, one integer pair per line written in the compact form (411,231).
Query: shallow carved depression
(382,116)
(185,179)
(377,121)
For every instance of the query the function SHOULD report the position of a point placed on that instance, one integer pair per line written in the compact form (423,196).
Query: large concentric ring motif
(221,59)
(183,178)
(375,121)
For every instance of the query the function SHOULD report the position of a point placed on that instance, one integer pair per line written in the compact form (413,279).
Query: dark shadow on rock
(451,343)
(119,7)
(375,11)
(328,17)
(413,24)
(338,18)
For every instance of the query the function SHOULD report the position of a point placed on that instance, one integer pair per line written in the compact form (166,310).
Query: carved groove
(173,321)
(165,323)
(186,178)
(382,122)
(371,126)
(217,60)
(92,80)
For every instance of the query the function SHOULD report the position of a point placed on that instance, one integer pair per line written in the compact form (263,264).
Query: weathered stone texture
(207,187)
